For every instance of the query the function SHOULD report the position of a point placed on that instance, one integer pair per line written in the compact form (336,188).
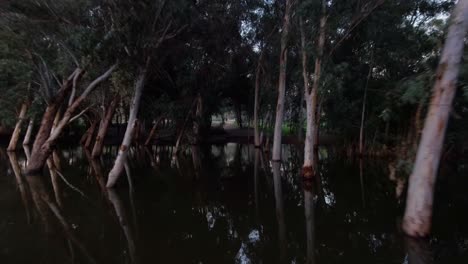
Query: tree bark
(418,212)
(277,138)
(17,131)
(27,137)
(118,167)
(308,170)
(103,127)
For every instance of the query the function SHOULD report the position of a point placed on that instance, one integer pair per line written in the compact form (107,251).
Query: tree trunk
(257,141)
(363,112)
(153,129)
(281,83)
(45,139)
(418,212)
(198,119)
(103,127)
(89,139)
(17,131)
(27,137)
(118,167)
(311,96)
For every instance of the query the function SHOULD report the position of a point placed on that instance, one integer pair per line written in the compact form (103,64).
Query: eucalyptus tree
(63,36)
(140,29)
(418,212)
(277,138)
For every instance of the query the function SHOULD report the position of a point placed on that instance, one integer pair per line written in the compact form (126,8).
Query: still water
(220,204)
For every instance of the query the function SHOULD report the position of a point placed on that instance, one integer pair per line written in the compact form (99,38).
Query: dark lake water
(225,204)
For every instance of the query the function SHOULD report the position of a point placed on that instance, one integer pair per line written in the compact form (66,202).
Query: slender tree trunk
(198,119)
(27,137)
(103,127)
(363,112)
(257,141)
(153,130)
(311,96)
(182,130)
(276,156)
(118,167)
(89,139)
(17,131)
(418,212)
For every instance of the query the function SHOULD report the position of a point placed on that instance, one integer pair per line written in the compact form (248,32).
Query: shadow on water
(219,204)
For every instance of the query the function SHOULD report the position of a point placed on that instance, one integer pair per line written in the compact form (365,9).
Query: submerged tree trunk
(118,167)
(311,96)
(17,131)
(279,204)
(418,212)
(27,137)
(309,213)
(104,126)
(39,155)
(277,137)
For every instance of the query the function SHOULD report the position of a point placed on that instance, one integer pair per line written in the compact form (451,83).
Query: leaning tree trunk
(27,137)
(17,131)
(311,96)
(38,155)
(45,139)
(276,156)
(418,212)
(103,127)
(118,167)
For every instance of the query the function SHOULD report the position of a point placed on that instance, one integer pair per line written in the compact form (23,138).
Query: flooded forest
(233,131)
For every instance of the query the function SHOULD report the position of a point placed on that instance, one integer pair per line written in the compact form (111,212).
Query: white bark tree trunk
(282,83)
(311,96)
(27,137)
(418,212)
(118,167)
(17,131)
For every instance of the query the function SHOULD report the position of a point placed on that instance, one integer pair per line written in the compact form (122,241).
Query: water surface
(220,204)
